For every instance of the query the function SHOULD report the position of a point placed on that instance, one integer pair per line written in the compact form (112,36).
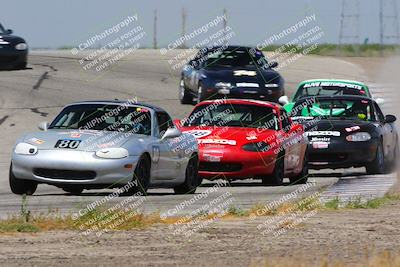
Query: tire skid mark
(36,110)
(44,76)
(2,120)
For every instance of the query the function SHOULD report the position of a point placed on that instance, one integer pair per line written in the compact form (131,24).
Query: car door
(290,154)
(168,159)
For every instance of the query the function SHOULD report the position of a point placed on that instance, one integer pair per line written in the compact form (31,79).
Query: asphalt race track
(56,78)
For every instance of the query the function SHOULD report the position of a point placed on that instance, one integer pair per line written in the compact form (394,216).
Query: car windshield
(2,30)
(104,118)
(234,116)
(327,88)
(344,109)
(233,58)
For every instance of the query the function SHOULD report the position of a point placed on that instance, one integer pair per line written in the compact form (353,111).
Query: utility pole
(155,30)
(349,24)
(183,45)
(388,23)
(225,26)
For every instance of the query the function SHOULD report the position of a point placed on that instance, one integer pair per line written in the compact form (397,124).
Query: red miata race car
(240,139)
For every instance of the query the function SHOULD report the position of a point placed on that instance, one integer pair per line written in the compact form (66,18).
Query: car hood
(228,137)
(10,39)
(243,74)
(89,140)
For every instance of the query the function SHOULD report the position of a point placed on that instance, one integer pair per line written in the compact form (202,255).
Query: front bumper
(245,93)
(342,155)
(11,58)
(231,165)
(72,167)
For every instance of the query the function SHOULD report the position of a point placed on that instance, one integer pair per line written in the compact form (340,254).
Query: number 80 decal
(66,143)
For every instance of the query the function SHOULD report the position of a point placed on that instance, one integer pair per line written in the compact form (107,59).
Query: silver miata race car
(106,144)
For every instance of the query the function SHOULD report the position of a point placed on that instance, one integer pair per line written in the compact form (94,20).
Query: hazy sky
(55,23)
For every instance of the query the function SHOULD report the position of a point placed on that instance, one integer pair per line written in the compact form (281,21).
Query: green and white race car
(326,87)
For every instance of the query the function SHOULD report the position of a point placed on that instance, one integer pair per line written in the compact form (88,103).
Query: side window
(285,120)
(164,122)
(378,113)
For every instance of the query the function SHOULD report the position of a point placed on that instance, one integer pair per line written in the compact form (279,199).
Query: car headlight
(358,137)
(271,85)
(223,85)
(21,46)
(25,149)
(256,147)
(112,153)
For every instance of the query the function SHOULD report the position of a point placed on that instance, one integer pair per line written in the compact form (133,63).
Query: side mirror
(283,100)
(44,125)
(273,64)
(380,101)
(296,127)
(9,31)
(171,133)
(390,118)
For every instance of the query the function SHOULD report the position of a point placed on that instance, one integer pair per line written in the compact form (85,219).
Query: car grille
(327,157)
(64,174)
(219,167)
(8,59)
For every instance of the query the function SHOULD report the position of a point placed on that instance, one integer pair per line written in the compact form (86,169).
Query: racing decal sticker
(322,133)
(353,128)
(218,141)
(320,145)
(75,135)
(213,156)
(244,73)
(247,85)
(156,154)
(333,84)
(199,133)
(37,141)
(66,143)
(251,137)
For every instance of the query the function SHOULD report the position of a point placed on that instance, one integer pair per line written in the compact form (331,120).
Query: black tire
(279,172)
(192,180)
(184,95)
(302,177)
(75,190)
(200,93)
(142,176)
(20,186)
(377,166)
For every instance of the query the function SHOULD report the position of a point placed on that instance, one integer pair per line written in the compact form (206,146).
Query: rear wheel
(279,172)
(377,166)
(302,177)
(141,176)
(192,180)
(20,186)
(184,94)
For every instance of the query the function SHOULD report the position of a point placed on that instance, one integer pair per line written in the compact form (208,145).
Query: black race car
(13,50)
(347,131)
(232,72)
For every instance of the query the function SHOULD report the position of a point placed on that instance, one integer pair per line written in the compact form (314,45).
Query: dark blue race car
(13,50)
(232,72)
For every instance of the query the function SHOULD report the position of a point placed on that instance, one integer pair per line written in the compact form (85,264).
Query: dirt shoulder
(348,236)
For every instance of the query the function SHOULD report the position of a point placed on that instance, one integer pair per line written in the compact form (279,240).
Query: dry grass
(382,259)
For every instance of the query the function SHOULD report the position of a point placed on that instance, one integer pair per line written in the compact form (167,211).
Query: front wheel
(184,94)
(75,190)
(192,180)
(200,93)
(20,186)
(141,177)
(278,174)
(377,166)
